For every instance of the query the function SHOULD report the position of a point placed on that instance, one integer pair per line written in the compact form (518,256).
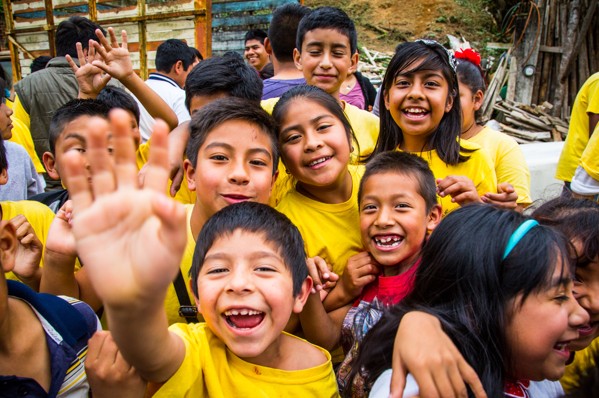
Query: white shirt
(171,93)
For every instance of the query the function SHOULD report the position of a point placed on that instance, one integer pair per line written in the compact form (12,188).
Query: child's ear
(4,177)
(434,218)
(297,59)
(267,46)
(354,63)
(178,67)
(478,100)
(50,165)
(302,296)
(189,174)
(386,98)
(8,246)
(195,297)
(449,103)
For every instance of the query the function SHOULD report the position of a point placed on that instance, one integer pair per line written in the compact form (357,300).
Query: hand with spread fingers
(90,78)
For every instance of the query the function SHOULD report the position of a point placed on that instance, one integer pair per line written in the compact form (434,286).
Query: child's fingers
(113,41)
(72,63)
(102,169)
(94,345)
(176,180)
(124,39)
(471,378)
(103,41)
(81,55)
(124,149)
(313,273)
(157,172)
(172,230)
(77,181)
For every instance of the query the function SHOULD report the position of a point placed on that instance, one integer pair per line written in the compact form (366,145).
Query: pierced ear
(189,174)
(4,177)
(302,296)
(50,165)
(8,246)
(297,59)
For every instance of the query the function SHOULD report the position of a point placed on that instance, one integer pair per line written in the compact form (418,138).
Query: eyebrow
(77,136)
(315,119)
(257,255)
(427,73)
(231,148)
(560,281)
(396,196)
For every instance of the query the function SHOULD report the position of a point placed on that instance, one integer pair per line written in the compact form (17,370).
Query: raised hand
(361,270)
(323,278)
(29,253)
(115,59)
(460,188)
(90,78)
(130,239)
(505,197)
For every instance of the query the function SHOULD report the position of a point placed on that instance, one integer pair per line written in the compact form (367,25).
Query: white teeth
(318,161)
(561,346)
(415,110)
(389,241)
(243,312)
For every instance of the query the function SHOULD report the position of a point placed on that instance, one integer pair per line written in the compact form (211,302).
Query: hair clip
(433,44)
(6,93)
(469,55)
(517,236)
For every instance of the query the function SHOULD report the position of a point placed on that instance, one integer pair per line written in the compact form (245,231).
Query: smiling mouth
(233,198)
(243,318)
(387,242)
(317,162)
(415,112)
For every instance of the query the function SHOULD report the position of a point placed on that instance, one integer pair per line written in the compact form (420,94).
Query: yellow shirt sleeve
(21,134)
(590,157)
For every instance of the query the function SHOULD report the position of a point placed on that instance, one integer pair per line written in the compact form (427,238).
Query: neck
(471,131)
(400,268)
(339,192)
(197,220)
(414,144)
(170,76)
(285,70)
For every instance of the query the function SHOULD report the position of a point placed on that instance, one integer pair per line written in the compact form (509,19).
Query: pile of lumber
(529,123)
(373,65)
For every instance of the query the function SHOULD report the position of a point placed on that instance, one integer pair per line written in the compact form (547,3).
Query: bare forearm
(317,326)
(337,298)
(58,275)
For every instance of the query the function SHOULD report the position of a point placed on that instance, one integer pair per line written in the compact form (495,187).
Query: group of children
(376,243)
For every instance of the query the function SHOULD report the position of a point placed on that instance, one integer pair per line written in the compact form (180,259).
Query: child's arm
(422,348)
(117,63)
(360,271)
(131,241)
(506,197)
(29,253)
(319,327)
(460,188)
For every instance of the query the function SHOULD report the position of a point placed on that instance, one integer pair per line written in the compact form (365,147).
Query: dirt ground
(382,24)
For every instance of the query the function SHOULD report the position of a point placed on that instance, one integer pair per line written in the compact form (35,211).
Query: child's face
(73,137)
(5,121)
(314,144)
(255,53)
(470,103)
(417,102)
(134,128)
(540,328)
(197,102)
(235,164)
(246,295)
(393,220)
(586,290)
(326,59)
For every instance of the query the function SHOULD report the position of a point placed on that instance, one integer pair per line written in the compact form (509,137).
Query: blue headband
(518,235)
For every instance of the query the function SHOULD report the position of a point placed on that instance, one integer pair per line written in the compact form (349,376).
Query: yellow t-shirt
(590,157)
(584,361)
(38,215)
(184,194)
(211,370)
(479,168)
(171,303)
(510,165)
(587,101)
(365,124)
(330,231)
(21,134)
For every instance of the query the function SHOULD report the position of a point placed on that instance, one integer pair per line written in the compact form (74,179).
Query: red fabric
(517,388)
(469,55)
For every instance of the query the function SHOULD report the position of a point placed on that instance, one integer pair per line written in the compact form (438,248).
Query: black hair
(39,63)
(224,110)
(464,282)
(319,96)
(283,29)
(229,75)
(445,139)
(75,30)
(406,164)
(255,34)
(3,158)
(116,97)
(196,53)
(171,51)
(577,219)
(328,18)
(471,76)
(256,218)
(71,111)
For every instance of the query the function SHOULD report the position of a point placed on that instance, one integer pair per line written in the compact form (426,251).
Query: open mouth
(387,242)
(588,329)
(243,318)
(415,113)
(562,349)
(316,163)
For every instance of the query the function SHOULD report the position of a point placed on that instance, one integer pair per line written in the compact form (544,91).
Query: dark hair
(283,29)
(577,219)
(405,164)
(39,63)
(464,282)
(227,74)
(196,53)
(445,139)
(471,76)
(319,96)
(255,34)
(255,218)
(75,30)
(171,51)
(71,111)
(224,110)
(116,97)
(328,18)
(3,158)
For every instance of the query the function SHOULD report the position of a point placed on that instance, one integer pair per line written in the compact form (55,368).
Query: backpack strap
(186,310)
(66,319)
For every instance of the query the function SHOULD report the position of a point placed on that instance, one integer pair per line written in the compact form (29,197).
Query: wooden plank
(246,6)
(241,21)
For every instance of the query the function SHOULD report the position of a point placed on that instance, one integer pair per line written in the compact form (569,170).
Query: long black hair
(464,281)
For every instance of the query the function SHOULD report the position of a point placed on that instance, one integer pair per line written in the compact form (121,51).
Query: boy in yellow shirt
(248,275)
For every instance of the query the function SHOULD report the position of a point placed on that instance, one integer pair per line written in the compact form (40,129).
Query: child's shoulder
(300,354)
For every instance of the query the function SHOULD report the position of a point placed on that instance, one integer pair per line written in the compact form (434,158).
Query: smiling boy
(249,275)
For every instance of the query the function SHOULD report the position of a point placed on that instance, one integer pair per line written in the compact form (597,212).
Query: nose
(239,281)
(8,111)
(578,316)
(587,295)
(312,141)
(238,174)
(383,218)
(415,91)
(325,60)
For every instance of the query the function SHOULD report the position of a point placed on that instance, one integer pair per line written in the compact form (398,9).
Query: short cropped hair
(196,53)
(228,74)
(3,158)
(224,110)
(73,30)
(283,29)
(255,34)
(256,218)
(71,111)
(171,51)
(116,97)
(39,63)
(406,164)
(328,18)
